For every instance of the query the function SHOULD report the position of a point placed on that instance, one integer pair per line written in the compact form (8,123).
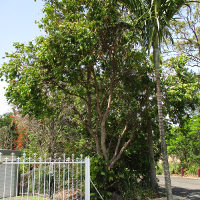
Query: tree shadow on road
(183,193)
(187,193)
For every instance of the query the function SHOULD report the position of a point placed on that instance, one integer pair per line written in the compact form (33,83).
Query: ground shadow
(183,192)
(187,193)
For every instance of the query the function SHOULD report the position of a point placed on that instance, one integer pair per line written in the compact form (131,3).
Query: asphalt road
(183,188)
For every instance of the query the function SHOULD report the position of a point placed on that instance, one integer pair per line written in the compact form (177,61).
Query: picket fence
(44,178)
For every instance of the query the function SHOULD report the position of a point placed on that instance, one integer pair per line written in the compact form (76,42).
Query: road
(183,188)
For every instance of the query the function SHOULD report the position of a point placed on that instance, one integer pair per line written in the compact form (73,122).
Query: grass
(26,197)
(173,169)
(159,169)
(193,169)
(176,169)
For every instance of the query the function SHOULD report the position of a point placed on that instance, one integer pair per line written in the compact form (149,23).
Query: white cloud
(4,107)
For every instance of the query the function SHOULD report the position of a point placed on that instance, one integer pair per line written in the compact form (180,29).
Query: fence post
(87,179)
(182,173)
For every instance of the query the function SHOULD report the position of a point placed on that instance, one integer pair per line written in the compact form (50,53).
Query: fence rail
(47,178)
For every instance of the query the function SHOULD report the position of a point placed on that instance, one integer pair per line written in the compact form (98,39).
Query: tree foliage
(88,86)
(186,33)
(181,90)
(184,141)
(8,134)
(89,62)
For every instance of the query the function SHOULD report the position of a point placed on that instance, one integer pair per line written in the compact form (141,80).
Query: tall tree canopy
(93,60)
(154,18)
(187,33)
(89,60)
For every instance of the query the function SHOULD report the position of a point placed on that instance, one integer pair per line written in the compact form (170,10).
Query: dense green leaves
(181,90)
(8,134)
(184,141)
(89,85)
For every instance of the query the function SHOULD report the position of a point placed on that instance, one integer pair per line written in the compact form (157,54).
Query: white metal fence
(47,178)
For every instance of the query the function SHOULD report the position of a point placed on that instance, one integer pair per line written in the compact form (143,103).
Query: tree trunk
(152,170)
(156,56)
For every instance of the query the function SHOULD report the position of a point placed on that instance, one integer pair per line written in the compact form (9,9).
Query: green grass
(173,169)
(193,169)
(159,169)
(176,169)
(25,198)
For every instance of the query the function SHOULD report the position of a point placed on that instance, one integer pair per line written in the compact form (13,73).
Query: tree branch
(119,141)
(103,131)
(118,156)
(97,95)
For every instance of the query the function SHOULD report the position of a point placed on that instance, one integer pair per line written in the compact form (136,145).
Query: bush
(136,188)
(126,180)
(174,168)
(159,169)
(193,169)
(189,169)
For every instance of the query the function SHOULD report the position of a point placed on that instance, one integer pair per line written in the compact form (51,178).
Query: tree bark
(156,56)
(152,170)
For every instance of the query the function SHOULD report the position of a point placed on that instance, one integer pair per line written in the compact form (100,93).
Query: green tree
(187,33)
(181,90)
(86,60)
(49,135)
(182,103)
(8,134)
(154,19)
(184,141)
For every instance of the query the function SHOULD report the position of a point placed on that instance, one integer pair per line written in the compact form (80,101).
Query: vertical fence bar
(87,179)
(11,180)
(45,160)
(54,176)
(49,177)
(17,179)
(59,174)
(68,178)
(54,180)
(24,157)
(72,176)
(40,160)
(34,175)
(4,187)
(81,175)
(29,172)
(77,178)
(64,176)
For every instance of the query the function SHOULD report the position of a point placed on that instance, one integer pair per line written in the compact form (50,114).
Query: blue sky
(17,24)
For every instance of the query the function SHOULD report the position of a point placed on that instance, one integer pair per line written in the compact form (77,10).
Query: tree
(87,60)
(8,134)
(187,33)
(156,17)
(184,141)
(181,90)
(48,135)
(181,93)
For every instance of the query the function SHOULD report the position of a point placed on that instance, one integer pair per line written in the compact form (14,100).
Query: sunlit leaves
(182,89)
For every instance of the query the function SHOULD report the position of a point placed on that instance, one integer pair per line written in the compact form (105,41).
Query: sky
(17,24)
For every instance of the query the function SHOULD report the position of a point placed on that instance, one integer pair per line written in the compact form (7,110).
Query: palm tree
(153,17)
